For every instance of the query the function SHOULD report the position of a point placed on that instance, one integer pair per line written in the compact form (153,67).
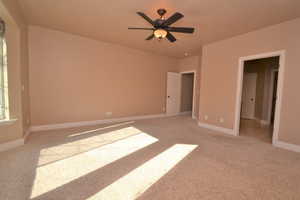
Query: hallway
(253,129)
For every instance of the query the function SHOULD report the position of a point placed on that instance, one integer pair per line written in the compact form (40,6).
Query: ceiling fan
(162,27)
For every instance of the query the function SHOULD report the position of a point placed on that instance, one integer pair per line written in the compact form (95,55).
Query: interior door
(249,94)
(173,93)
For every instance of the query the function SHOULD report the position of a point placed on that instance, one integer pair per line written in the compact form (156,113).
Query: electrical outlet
(108,113)
(205,117)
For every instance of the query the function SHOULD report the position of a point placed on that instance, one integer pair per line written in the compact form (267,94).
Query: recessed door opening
(187,93)
(181,93)
(259,95)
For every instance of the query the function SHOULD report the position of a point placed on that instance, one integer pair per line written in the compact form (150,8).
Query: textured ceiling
(108,20)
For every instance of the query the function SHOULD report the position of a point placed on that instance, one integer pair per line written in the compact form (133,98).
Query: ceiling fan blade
(132,28)
(174,18)
(181,29)
(146,18)
(171,37)
(150,37)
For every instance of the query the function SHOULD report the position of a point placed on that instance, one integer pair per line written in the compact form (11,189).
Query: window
(3,75)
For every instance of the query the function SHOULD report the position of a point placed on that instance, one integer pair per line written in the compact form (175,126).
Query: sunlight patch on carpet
(132,185)
(79,145)
(54,175)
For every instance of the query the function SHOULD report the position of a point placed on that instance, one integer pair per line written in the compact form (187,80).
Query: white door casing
(173,93)
(281,54)
(248,95)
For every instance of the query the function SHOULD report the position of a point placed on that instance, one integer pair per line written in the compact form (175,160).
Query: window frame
(4,109)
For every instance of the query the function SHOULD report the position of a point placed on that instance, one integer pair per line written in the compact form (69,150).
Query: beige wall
(220,69)
(73,78)
(187,87)
(25,79)
(17,64)
(188,64)
(192,63)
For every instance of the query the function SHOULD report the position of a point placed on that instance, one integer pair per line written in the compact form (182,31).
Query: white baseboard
(13,144)
(91,123)
(264,122)
(10,145)
(216,128)
(27,133)
(287,146)
(178,114)
(185,113)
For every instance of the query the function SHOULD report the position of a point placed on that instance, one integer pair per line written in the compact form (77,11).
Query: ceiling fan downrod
(161,12)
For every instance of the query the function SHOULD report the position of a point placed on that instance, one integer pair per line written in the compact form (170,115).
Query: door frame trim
(194,90)
(240,74)
(271,91)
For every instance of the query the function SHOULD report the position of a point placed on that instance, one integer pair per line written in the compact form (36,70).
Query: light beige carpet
(167,158)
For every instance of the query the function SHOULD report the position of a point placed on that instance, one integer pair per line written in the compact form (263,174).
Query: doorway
(181,93)
(260,84)
(187,93)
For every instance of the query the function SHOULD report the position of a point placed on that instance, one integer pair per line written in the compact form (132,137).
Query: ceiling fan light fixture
(161,28)
(160,33)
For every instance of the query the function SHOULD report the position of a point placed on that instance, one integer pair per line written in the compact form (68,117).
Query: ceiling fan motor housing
(159,23)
